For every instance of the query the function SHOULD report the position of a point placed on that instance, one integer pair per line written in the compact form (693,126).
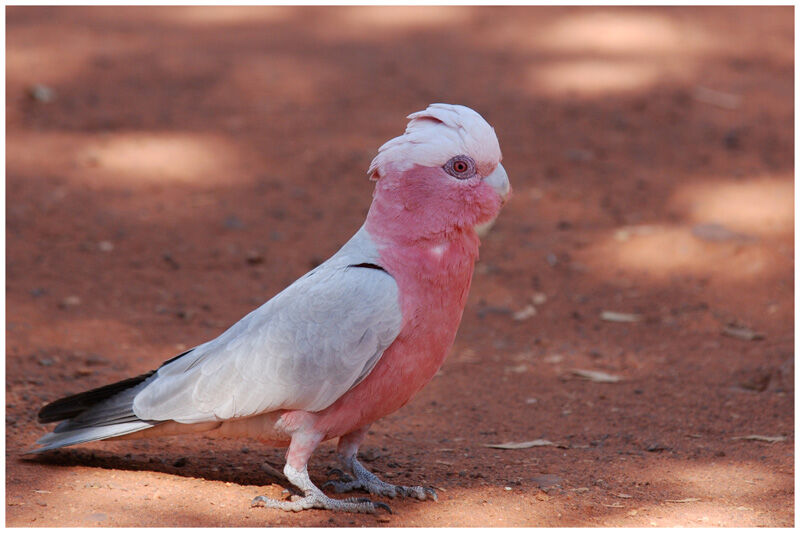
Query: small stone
(167,257)
(370,454)
(233,222)
(579,154)
(41,93)
(539,298)
(254,257)
(105,246)
(185,314)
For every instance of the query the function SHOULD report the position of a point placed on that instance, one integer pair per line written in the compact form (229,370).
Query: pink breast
(433,290)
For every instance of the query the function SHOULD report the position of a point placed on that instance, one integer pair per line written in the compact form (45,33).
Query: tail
(97,414)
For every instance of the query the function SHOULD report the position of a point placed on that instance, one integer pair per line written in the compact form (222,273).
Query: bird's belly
(265,427)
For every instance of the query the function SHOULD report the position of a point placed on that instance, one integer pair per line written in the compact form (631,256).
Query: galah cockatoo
(346,344)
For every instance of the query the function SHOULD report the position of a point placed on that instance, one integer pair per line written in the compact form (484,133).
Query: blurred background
(170,168)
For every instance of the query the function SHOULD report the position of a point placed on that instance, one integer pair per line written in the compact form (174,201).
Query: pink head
(442,176)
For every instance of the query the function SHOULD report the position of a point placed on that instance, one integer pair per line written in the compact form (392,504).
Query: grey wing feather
(303,349)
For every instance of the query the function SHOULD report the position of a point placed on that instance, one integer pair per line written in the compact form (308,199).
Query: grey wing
(303,349)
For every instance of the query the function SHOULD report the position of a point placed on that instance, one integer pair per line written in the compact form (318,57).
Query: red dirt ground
(169,169)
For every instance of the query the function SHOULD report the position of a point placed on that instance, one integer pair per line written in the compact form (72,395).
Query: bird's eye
(461,167)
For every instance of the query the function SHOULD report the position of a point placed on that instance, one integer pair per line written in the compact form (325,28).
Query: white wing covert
(303,349)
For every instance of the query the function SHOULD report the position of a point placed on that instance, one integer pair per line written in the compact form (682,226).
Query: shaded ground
(189,163)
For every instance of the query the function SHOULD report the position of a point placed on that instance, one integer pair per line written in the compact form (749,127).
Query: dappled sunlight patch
(737,230)
(383,18)
(761,206)
(593,52)
(622,32)
(146,156)
(723,481)
(661,251)
(125,159)
(595,76)
(38,64)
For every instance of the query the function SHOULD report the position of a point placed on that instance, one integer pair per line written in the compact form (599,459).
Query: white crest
(434,136)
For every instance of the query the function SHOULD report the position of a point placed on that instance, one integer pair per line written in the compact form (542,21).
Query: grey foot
(317,500)
(366,480)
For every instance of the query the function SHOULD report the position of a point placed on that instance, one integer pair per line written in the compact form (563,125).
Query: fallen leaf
(684,500)
(718,233)
(69,301)
(717,98)
(596,376)
(519,369)
(764,438)
(614,316)
(521,445)
(741,332)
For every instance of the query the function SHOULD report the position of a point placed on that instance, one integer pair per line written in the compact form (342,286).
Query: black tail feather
(74,405)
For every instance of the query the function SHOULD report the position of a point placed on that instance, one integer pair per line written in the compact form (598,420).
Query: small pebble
(41,93)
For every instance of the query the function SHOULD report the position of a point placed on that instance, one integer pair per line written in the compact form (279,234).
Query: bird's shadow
(249,471)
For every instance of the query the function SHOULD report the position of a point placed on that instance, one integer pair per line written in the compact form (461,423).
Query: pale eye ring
(461,167)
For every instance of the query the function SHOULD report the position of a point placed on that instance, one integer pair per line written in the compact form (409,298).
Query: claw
(383,506)
(258,501)
(343,477)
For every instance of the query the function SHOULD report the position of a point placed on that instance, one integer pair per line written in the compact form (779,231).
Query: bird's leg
(300,450)
(366,480)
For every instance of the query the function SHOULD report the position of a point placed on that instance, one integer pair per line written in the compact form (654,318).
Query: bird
(343,346)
